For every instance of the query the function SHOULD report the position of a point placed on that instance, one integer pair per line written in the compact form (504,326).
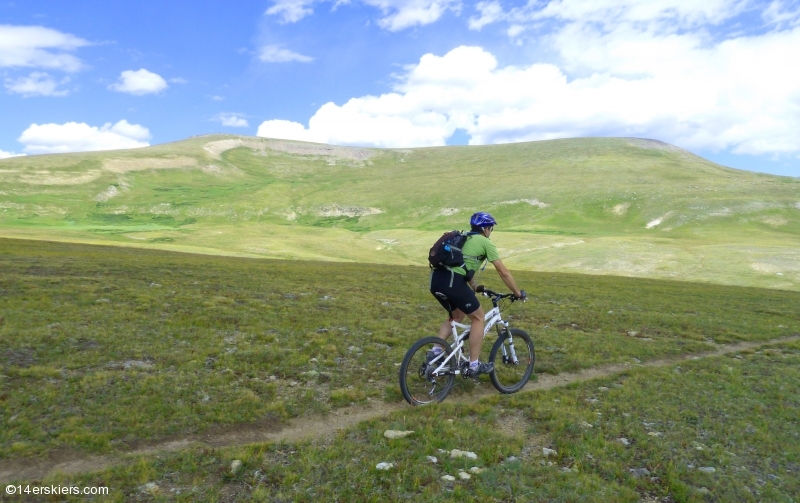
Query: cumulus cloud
(36,84)
(232,120)
(397,14)
(39,47)
(139,82)
(6,155)
(666,69)
(80,137)
(732,97)
(277,54)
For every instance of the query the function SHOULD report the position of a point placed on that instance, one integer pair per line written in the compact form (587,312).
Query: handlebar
(498,296)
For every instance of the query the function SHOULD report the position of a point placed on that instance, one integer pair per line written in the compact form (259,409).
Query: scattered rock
(236,465)
(704,490)
(602,388)
(566,469)
(464,475)
(322,330)
(633,333)
(639,472)
(548,452)
(448,478)
(129,364)
(707,469)
(313,360)
(456,453)
(510,459)
(354,349)
(154,285)
(586,425)
(312,374)
(655,434)
(150,488)
(624,441)
(433,459)
(324,377)
(392,434)
(384,466)
(475,470)
(102,301)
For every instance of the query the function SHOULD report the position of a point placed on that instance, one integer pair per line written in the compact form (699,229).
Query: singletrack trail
(71,462)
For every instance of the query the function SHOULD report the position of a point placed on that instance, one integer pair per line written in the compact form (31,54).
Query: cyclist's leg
(446,330)
(476,334)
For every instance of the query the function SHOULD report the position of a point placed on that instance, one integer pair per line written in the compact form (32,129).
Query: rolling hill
(620,206)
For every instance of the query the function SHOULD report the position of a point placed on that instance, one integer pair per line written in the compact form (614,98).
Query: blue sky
(719,78)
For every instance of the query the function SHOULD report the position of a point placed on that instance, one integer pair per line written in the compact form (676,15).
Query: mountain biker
(454,288)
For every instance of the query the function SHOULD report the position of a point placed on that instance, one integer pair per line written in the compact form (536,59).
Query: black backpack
(446,252)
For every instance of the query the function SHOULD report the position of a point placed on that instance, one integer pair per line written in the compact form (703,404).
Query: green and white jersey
(477,248)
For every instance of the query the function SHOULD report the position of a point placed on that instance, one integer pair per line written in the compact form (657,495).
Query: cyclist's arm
(506,276)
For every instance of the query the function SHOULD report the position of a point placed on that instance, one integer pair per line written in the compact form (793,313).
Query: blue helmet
(481,219)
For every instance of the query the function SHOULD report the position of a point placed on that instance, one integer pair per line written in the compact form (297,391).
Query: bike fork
(510,355)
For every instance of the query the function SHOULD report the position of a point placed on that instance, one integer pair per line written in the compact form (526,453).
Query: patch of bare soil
(126,165)
(215,148)
(272,430)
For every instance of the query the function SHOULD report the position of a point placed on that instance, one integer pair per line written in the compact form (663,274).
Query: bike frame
(491,319)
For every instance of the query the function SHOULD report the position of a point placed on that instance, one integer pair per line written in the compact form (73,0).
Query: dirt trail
(70,462)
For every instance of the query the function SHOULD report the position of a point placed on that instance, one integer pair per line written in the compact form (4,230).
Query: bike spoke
(423,382)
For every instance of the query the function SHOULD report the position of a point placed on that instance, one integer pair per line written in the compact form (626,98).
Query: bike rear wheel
(419,382)
(513,365)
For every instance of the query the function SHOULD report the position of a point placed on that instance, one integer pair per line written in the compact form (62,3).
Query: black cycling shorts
(453,292)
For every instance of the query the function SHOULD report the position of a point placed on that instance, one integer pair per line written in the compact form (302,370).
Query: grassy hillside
(596,205)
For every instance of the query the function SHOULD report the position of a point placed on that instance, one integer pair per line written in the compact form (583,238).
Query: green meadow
(603,206)
(106,347)
(714,429)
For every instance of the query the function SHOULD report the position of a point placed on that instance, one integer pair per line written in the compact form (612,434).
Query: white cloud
(491,12)
(39,47)
(6,155)
(36,84)
(231,120)
(291,11)
(277,54)
(740,94)
(402,14)
(80,137)
(397,14)
(139,82)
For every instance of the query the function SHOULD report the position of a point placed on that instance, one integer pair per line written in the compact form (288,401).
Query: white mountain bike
(424,381)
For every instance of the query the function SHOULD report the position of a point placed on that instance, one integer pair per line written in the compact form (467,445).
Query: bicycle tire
(416,385)
(507,376)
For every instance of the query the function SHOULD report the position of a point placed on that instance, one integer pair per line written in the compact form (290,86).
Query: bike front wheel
(422,381)
(513,357)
